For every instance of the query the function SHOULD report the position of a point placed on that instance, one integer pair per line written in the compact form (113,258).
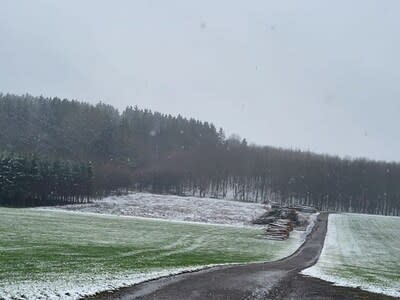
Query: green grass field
(361,251)
(57,251)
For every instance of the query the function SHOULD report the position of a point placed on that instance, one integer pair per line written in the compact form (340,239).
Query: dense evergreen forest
(29,181)
(145,150)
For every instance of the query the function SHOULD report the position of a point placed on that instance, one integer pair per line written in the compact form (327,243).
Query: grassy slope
(361,250)
(46,245)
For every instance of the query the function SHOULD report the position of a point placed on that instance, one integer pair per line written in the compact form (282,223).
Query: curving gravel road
(273,280)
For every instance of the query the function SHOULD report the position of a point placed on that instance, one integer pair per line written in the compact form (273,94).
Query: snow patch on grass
(361,251)
(76,287)
(192,209)
(312,219)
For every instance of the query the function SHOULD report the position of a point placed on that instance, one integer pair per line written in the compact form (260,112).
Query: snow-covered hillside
(192,209)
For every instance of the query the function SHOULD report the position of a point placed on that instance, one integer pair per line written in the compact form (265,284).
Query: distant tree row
(262,174)
(160,153)
(30,181)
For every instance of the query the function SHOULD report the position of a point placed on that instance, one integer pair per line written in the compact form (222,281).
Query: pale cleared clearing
(177,208)
(48,254)
(361,251)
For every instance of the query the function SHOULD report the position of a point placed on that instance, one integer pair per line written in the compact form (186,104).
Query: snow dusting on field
(76,287)
(361,251)
(193,209)
(56,254)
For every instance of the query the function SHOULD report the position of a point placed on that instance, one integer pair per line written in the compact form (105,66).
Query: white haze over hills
(317,75)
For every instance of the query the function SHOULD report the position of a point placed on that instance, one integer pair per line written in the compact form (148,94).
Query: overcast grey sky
(315,75)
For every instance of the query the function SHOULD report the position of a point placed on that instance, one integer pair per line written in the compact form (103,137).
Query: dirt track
(272,280)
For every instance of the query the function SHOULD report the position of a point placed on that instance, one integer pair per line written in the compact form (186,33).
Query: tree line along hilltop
(56,151)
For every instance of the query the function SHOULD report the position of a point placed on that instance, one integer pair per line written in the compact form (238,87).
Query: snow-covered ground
(76,287)
(361,251)
(55,254)
(193,209)
(71,251)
